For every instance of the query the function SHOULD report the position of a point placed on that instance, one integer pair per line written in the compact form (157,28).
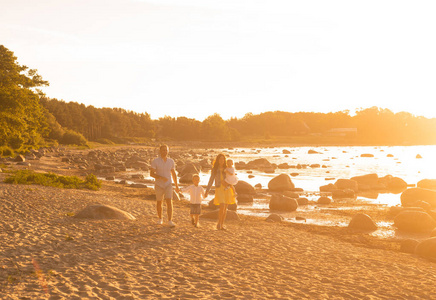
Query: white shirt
(163,168)
(196,193)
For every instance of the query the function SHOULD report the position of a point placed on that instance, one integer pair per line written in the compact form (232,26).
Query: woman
(223,196)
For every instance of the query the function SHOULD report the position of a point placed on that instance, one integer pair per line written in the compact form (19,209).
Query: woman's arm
(211,179)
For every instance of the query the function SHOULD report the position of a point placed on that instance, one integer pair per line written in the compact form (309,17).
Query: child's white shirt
(231,178)
(230,170)
(196,193)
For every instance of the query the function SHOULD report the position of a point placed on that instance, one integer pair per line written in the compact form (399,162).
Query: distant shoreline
(253,144)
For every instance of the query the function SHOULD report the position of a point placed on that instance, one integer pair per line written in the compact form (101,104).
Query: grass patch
(49,179)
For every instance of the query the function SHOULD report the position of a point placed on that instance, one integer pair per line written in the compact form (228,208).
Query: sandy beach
(46,253)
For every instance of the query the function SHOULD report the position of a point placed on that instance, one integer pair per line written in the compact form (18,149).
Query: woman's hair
(216,161)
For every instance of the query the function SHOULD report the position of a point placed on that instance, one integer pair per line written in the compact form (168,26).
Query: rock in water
(243,187)
(362,222)
(414,221)
(410,196)
(99,211)
(279,202)
(281,183)
(427,184)
(343,184)
(324,200)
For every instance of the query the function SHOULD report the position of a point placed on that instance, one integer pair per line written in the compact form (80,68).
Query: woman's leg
(220,216)
(224,214)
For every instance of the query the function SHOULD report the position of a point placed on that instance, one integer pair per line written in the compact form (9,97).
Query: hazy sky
(197,57)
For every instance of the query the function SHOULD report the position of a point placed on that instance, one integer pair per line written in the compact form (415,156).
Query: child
(231,178)
(196,195)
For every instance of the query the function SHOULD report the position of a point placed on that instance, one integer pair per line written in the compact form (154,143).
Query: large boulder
(274,218)
(245,198)
(368,179)
(205,163)
(408,245)
(414,221)
(100,211)
(347,193)
(281,183)
(230,215)
(302,201)
(280,202)
(324,200)
(328,188)
(410,196)
(427,184)
(393,183)
(343,184)
(243,187)
(427,248)
(362,222)
(395,210)
(186,178)
(189,168)
(260,163)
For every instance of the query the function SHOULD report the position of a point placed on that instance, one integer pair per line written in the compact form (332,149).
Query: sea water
(411,163)
(339,163)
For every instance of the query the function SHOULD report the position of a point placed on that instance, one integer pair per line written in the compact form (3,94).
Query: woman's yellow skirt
(223,196)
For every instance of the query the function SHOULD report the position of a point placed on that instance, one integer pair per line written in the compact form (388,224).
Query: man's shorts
(195,209)
(164,193)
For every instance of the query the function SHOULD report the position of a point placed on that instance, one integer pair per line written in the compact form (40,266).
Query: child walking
(196,196)
(231,178)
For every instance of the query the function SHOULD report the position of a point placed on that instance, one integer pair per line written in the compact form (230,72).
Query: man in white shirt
(163,170)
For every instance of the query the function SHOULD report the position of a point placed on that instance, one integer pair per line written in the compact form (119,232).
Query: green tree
(22,118)
(214,128)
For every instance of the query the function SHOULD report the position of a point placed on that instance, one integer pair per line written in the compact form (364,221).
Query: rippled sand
(46,253)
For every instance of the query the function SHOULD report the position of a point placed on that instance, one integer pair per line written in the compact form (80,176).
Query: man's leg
(159,209)
(169,209)
(159,197)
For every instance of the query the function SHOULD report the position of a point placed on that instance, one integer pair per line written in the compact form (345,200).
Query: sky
(194,58)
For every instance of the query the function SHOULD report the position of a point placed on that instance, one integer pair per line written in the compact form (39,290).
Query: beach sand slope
(47,253)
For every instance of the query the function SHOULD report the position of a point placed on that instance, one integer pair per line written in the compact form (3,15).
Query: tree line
(372,125)
(29,119)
